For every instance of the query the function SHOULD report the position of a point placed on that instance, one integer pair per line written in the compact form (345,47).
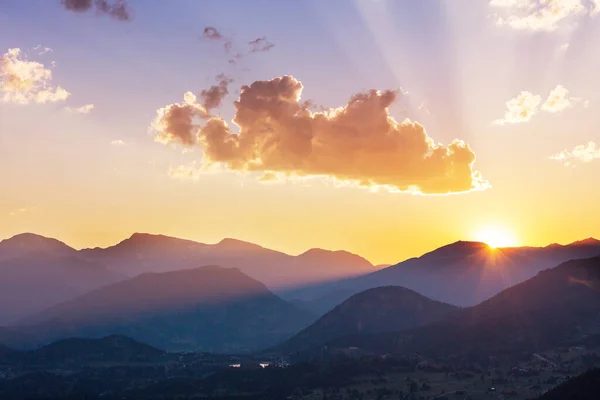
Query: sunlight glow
(496,237)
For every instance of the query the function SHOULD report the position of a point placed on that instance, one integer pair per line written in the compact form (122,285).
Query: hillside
(556,306)
(34,281)
(384,309)
(583,387)
(208,308)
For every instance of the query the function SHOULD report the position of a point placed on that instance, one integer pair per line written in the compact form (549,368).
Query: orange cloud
(116,9)
(23,81)
(178,122)
(359,142)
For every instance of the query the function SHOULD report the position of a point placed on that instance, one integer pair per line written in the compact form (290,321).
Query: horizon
(384,264)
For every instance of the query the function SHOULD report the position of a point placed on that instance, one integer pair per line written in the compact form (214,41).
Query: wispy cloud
(541,15)
(116,9)
(20,211)
(523,107)
(117,142)
(86,109)
(24,82)
(582,153)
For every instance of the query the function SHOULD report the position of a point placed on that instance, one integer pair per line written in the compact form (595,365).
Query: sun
(496,237)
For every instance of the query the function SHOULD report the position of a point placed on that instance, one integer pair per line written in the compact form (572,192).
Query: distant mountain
(461,273)
(26,243)
(384,309)
(31,281)
(157,253)
(557,306)
(209,308)
(583,387)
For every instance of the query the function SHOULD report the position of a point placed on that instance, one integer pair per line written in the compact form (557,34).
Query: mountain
(583,387)
(34,280)
(157,253)
(208,308)
(557,306)
(384,309)
(461,273)
(26,243)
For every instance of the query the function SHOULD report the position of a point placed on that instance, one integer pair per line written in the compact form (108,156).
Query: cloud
(582,153)
(213,97)
(24,82)
(178,122)
(558,100)
(523,107)
(43,50)
(260,44)
(540,15)
(86,109)
(359,143)
(117,142)
(20,211)
(186,172)
(116,8)
(211,33)
(520,109)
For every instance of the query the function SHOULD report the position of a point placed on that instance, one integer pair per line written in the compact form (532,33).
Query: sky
(383,127)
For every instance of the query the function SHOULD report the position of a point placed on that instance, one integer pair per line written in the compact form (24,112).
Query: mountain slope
(384,309)
(34,281)
(207,308)
(157,253)
(582,387)
(556,306)
(467,273)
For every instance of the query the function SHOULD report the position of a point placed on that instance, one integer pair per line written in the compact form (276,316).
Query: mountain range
(462,273)
(56,272)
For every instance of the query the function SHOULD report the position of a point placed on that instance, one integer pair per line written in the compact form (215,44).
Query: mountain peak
(236,244)
(459,248)
(586,242)
(25,243)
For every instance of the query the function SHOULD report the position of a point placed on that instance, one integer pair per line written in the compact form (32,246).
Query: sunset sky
(428,122)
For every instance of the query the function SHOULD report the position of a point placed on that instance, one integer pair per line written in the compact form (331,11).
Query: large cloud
(541,15)
(23,81)
(116,8)
(359,142)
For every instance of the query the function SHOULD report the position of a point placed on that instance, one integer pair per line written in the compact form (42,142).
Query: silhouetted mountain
(34,281)
(26,243)
(462,273)
(208,308)
(384,309)
(557,306)
(583,387)
(157,253)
